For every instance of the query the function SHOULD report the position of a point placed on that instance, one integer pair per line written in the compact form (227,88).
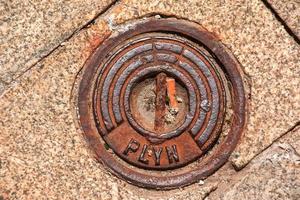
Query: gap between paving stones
(232,179)
(297,125)
(284,24)
(84,26)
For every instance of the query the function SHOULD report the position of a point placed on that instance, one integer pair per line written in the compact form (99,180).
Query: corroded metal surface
(148,146)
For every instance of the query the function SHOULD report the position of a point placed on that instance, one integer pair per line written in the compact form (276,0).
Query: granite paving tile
(31,29)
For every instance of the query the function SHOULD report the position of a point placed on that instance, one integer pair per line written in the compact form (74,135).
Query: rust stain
(171,88)
(96,34)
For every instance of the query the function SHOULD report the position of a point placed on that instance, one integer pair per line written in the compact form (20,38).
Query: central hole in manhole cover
(159,103)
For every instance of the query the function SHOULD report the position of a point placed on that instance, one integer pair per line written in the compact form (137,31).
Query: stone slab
(29,30)
(274,174)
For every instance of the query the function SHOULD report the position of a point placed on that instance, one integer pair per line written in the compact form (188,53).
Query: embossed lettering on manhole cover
(162,104)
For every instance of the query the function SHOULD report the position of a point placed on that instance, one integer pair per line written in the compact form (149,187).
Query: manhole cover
(162,104)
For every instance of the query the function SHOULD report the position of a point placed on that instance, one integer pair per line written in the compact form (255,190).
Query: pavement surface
(44,46)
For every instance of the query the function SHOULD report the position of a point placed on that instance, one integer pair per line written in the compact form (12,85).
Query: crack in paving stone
(237,168)
(84,26)
(283,23)
(280,155)
(208,193)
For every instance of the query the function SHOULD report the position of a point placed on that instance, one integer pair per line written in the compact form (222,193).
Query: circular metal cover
(153,102)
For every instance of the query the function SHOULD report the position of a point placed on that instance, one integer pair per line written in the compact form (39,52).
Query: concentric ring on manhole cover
(153,101)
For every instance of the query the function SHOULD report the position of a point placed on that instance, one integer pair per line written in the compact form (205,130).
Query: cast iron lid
(162,104)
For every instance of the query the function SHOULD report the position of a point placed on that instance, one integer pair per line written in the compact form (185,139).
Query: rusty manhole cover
(162,104)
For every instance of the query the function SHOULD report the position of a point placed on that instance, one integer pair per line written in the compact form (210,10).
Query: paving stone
(274,174)
(42,151)
(29,30)
(289,12)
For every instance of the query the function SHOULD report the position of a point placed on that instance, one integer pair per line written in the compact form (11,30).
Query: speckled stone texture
(43,154)
(30,30)
(274,174)
(289,11)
